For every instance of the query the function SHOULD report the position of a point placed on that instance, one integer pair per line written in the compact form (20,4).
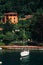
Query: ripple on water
(13,58)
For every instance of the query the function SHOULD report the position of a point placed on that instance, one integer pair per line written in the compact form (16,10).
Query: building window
(14,21)
(14,18)
(7,17)
(3,20)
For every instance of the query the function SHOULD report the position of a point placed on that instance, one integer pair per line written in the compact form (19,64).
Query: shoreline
(22,47)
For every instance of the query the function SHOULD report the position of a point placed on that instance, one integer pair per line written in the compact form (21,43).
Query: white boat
(24,53)
(0,48)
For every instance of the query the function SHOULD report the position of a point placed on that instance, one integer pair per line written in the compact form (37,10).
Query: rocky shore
(23,47)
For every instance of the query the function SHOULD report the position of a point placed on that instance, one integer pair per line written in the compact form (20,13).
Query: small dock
(23,47)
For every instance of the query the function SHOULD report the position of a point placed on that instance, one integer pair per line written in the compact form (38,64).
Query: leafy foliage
(36,28)
(20,6)
(8,38)
(7,27)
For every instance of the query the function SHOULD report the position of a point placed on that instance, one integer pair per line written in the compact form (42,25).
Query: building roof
(28,16)
(11,13)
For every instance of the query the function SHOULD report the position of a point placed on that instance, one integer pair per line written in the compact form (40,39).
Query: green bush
(1,37)
(8,38)
(2,44)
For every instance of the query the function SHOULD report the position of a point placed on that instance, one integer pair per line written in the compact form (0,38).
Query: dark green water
(13,58)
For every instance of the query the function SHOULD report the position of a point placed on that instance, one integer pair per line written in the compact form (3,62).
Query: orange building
(11,16)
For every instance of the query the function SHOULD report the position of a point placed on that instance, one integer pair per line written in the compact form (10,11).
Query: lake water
(13,58)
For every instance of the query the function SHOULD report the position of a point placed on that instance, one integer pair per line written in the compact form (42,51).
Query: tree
(9,37)
(1,37)
(7,27)
(20,6)
(36,28)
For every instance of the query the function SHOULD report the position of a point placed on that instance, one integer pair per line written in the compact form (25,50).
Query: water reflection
(13,58)
(10,58)
(25,60)
(34,58)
